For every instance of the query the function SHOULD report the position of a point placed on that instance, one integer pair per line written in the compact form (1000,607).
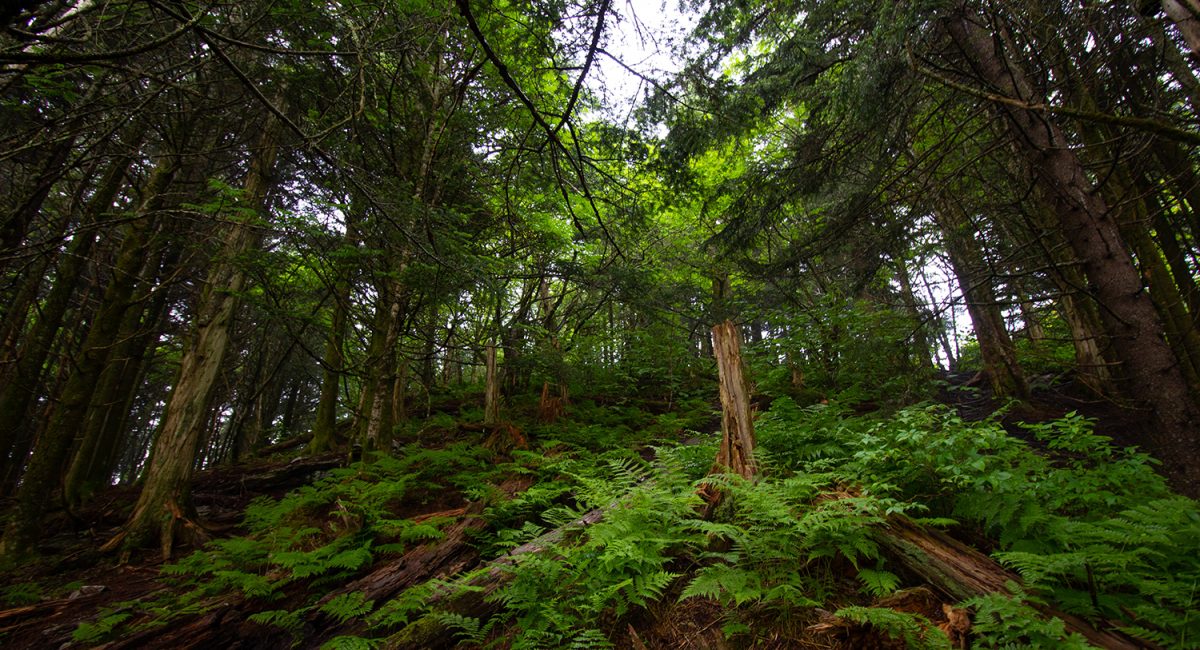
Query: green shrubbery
(1090,527)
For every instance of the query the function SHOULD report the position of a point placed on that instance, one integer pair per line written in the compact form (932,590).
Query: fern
(286,620)
(467,628)
(878,582)
(914,630)
(347,606)
(725,584)
(350,643)
(1004,622)
(102,629)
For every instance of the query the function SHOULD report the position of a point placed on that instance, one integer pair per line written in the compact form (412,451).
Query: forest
(591,324)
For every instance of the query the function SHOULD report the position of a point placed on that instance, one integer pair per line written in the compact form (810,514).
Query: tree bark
(378,431)
(736,453)
(1186,16)
(961,572)
(87,469)
(491,389)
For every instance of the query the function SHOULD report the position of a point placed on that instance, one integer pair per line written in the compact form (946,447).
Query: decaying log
(226,624)
(472,599)
(949,566)
(737,422)
(294,474)
(961,572)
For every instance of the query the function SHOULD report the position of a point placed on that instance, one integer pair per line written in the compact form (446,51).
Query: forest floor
(73,584)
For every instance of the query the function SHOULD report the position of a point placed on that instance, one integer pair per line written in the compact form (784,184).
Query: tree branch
(1139,123)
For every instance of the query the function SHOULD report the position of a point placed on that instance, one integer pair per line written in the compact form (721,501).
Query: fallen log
(294,474)
(449,556)
(949,566)
(226,624)
(290,443)
(471,599)
(961,572)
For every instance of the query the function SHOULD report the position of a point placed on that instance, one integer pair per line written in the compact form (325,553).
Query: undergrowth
(1091,529)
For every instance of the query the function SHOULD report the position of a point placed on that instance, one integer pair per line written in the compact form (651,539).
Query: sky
(642,34)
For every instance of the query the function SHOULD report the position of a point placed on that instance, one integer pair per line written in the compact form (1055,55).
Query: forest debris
(453,554)
(444,514)
(290,443)
(961,572)
(86,590)
(957,625)
(294,473)
(505,437)
(473,601)
(635,640)
(847,633)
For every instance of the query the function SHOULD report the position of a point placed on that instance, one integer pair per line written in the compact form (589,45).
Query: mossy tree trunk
(91,465)
(50,452)
(163,506)
(491,389)
(378,432)
(21,380)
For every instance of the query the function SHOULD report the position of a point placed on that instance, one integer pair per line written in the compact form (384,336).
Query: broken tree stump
(736,453)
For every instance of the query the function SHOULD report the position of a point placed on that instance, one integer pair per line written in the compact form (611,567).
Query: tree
(1091,229)
(163,508)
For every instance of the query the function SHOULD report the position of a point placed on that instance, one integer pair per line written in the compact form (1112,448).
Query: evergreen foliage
(418,236)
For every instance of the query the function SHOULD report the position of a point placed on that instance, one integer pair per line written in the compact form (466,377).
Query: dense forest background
(406,249)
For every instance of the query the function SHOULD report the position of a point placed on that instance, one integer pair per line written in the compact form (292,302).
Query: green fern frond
(878,582)
(914,630)
(347,642)
(347,606)
(283,619)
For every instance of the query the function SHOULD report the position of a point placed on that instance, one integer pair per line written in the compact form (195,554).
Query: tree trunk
(51,449)
(378,431)
(163,504)
(335,362)
(996,347)
(326,418)
(1186,16)
(922,349)
(86,471)
(1129,316)
(16,225)
(1166,237)
(19,388)
(1033,324)
(491,390)
(736,453)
